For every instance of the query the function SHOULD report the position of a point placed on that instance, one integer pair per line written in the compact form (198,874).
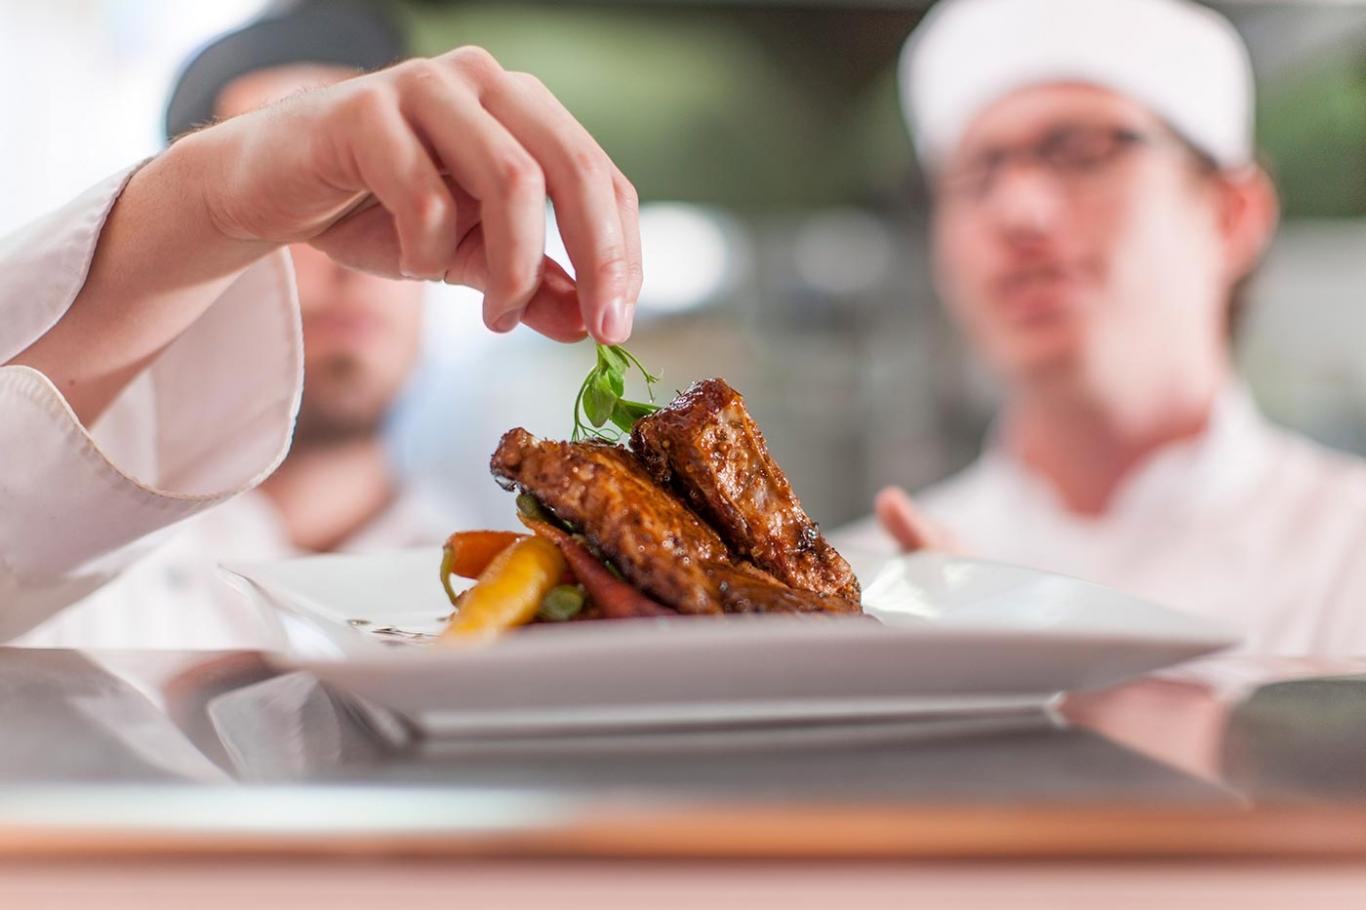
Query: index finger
(900,519)
(589,207)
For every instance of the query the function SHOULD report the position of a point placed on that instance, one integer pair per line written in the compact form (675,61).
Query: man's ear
(1249,212)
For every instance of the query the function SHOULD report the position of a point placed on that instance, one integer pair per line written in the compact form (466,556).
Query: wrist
(201,164)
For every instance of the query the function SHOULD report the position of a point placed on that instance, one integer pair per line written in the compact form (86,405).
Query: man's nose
(1026,201)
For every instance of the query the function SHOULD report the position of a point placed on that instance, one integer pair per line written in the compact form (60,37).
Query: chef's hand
(432,169)
(438,169)
(908,526)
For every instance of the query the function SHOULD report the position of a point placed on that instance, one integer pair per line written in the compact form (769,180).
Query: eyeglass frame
(1123,139)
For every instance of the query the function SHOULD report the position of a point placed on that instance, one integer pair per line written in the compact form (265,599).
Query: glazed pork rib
(657,542)
(705,444)
(649,534)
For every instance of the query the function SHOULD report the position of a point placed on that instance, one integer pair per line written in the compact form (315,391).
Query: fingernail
(616,321)
(508,321)
(412,274)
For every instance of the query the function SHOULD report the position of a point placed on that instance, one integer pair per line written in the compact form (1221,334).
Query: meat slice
(657,542)
(745,588)
(649,534)
(705,444)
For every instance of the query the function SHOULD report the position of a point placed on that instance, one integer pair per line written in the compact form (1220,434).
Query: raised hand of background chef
(434,169)
(911,528)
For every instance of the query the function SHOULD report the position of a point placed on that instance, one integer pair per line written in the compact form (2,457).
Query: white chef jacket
(1246,523)
(207,420)
(210,419)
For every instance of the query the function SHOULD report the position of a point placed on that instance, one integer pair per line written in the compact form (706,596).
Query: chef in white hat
(1097,208)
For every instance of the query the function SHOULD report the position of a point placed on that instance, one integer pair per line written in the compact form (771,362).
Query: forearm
(159,263)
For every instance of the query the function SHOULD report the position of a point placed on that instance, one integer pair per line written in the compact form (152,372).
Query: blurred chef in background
(1098,207)
(151,352)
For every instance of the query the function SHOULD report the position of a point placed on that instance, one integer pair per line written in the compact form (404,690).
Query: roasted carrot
(472,551)
(509,590)
(614,597)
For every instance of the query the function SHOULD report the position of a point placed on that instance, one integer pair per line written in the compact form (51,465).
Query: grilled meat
(745,588)
(651,536)
(706,445)
(648,533)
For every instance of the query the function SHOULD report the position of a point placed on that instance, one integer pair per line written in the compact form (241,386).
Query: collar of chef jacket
(1221,462)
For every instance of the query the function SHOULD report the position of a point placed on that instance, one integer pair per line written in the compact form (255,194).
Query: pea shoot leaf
(626,413)
(613,358)
(601,397)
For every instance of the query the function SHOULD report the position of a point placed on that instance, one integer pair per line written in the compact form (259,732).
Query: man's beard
(338,405)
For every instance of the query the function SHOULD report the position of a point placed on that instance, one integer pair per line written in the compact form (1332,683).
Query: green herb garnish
(601,398)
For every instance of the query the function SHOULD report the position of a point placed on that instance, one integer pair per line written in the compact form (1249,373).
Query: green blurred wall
(766,109)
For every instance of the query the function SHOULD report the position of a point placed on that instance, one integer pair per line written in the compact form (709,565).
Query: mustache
(1034,275)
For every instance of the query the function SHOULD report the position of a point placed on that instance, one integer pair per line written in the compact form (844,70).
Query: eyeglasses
(1071,154)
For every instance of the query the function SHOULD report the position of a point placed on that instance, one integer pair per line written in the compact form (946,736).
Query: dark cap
(333,33)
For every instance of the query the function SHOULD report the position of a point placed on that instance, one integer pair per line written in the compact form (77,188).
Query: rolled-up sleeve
(210,418)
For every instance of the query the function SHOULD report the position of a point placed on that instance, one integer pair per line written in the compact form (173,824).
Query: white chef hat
(1184,62)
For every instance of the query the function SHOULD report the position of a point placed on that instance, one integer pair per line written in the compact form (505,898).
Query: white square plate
(951,636)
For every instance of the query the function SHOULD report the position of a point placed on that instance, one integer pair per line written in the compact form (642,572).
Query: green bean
(531,507)
(560,603)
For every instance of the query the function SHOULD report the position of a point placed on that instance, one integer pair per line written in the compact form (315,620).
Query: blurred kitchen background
(783,220)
